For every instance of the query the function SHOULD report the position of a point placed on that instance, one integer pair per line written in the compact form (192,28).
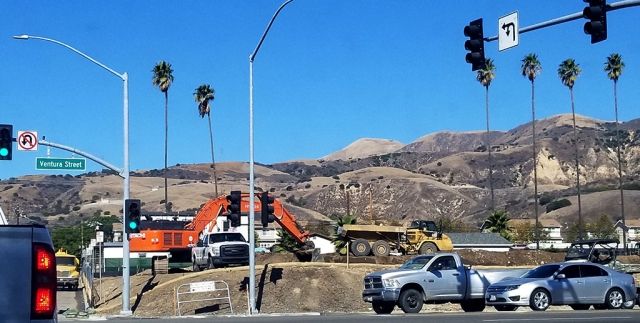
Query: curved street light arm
(267,30)
(26,37)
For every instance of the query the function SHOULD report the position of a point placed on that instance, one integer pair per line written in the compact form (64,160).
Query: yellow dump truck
(421,237)
(68,268)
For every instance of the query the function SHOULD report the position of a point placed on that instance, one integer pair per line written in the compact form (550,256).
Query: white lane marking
(560,319)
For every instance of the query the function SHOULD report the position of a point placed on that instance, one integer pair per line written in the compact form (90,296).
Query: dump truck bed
(372,232)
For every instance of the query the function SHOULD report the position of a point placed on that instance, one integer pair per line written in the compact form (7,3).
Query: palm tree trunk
(213,160)
(535,164)
(488,143)
(575,147)
(166,143)
(624,226)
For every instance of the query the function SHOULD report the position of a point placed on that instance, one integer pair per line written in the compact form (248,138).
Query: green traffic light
(132,225)
(4,152)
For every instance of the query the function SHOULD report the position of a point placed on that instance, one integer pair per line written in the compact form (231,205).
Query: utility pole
(370,203)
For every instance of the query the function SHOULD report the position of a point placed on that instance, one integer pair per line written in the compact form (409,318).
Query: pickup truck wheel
(195,266)
(506,308)
(473,305)
(539,300)
(410,301)
(628,305)
(427,248)
(383,307)
(381,248)
(360,247)
(210,263)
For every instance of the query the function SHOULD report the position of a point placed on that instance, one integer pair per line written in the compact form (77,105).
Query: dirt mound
(509,258)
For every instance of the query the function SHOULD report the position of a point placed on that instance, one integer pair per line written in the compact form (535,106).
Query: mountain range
(443,174)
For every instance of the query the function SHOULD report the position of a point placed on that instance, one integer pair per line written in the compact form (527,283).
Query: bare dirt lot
(285,285)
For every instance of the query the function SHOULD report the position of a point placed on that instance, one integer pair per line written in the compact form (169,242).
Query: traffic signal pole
(571,17)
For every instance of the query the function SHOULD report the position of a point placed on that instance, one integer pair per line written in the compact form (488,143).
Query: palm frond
(486,75)
(568,71)
(162,76)
(203,95)
(531,66)
(614,66)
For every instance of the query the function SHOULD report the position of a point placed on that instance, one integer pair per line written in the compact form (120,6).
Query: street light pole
(252,255)
(126,310)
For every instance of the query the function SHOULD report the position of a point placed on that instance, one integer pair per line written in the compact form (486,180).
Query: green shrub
(557,205)
(545,199)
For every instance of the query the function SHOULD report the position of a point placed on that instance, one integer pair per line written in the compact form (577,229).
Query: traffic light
(132,215)
(234,207)
(475,44)
(267,209)
(596,12)
(6,141)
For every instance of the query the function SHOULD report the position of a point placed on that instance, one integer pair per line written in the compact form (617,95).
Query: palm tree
(568,71)
(485,76)
(162,79)
(531,68)
(614,66)
(498,222)
(204,95)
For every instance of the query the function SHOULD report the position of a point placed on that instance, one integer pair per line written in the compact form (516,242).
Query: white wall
(325,245)
(501,249)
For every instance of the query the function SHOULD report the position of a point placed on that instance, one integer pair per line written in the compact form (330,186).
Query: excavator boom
(173,236)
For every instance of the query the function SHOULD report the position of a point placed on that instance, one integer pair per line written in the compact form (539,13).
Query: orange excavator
(178,237)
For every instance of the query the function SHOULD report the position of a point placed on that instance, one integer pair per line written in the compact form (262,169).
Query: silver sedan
(578,284)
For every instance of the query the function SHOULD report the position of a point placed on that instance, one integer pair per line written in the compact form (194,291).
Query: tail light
(43,285)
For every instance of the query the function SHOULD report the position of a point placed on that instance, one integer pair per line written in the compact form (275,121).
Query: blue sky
(329,72)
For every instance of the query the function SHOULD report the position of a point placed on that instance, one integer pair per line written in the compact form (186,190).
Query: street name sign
(46,163)
(508,36)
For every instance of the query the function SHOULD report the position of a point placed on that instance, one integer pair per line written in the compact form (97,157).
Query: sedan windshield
(542,271)
(416,263)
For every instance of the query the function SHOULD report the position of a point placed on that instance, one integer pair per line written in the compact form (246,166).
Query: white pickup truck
(434,279)
(220,249)
(27,275)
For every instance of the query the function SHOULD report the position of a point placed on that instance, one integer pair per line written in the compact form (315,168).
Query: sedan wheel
(539,300)
(506,308)
(614,299)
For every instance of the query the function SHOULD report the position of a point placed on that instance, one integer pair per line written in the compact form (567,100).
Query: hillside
(364,148)
(451,142)
(438,175)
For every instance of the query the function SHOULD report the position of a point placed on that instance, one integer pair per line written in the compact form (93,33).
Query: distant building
(550,226)
(633,230)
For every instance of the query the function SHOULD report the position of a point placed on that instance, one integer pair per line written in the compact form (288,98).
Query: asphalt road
(69,299)
(550,316)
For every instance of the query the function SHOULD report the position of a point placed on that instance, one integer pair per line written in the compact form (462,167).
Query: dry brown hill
(365,147)
(451,142)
